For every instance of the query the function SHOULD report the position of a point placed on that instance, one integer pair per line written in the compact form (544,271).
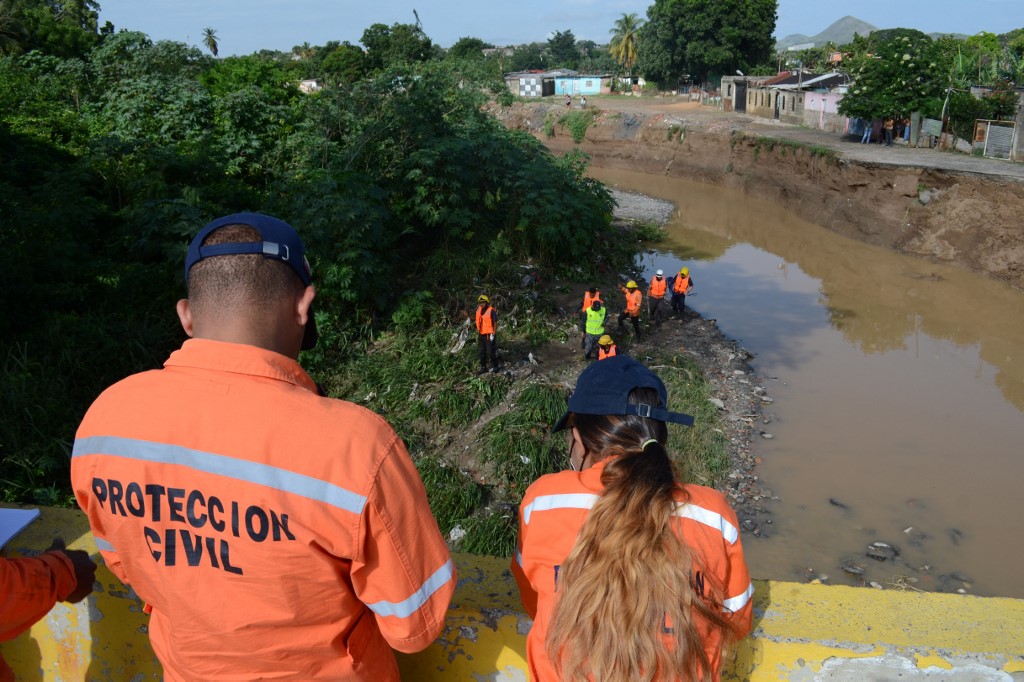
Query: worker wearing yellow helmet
(606,348)
(632,307)
(682,285)
(486,325)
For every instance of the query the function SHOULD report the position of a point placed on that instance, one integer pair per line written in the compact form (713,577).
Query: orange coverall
(29,587)
(273,532)
(550,517)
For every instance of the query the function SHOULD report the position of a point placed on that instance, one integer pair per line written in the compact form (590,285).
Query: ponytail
(626,606)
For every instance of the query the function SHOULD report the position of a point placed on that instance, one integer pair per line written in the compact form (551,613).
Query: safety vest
(218,518)
(554,509)
(595,320)
(485,320)
(658,285)
(633,299)
(612,351)
(588,300)
(682,284)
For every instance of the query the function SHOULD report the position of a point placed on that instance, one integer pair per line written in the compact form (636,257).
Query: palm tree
(623,44)
(210,40)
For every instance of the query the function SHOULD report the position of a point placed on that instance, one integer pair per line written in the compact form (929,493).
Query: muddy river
(898,389)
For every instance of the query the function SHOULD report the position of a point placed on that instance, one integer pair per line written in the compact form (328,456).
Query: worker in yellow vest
(606,348)
(596,314)
(683,285)
(486,325)
(656,292)
(632,309)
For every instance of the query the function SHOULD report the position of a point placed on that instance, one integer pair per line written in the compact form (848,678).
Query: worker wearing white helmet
(656,291)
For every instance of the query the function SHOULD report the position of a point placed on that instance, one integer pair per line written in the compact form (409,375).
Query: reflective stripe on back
(736,603)
(222,465)
(103,545)
(409,606)
(565,501)
(708,518)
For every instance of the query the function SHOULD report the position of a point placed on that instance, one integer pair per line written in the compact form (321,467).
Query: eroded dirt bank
(961,218)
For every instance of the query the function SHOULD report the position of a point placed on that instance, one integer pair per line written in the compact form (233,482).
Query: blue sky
(245,26)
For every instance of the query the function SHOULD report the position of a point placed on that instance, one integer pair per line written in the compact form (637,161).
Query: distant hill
(840,33)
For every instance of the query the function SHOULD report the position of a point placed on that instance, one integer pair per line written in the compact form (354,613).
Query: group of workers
(274,532)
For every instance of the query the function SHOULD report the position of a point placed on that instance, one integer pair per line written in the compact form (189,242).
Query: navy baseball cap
(280,242)
(604,386)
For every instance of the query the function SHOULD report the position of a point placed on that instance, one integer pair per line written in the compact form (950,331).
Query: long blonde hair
(626,608)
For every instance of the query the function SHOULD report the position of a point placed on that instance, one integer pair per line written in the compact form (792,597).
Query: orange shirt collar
(239,358)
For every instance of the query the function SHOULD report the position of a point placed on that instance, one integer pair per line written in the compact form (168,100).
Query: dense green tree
(343,65)
(66,28)
(896,77)
(624,40)
(388,46)
(562,50)
(210,41)
(527,58)
(468,48)
(704,38)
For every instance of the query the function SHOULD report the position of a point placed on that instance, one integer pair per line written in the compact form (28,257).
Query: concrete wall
(802,632)
(579,85)
(821,112)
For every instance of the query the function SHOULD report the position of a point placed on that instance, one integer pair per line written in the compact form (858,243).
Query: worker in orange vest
(272,532)
(30,586)
(623,567)
(656,292)
(632,308)
(486,325)
(606,348)
(682,285)
(589,296)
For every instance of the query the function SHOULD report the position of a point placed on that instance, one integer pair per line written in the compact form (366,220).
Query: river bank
(933,205)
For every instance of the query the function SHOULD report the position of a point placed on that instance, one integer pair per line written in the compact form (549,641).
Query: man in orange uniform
(680,287)
(486,325)
(29,587)
(656,291)
(272,532)
(632,310)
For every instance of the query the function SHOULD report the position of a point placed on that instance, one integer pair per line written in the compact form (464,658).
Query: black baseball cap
(604,387)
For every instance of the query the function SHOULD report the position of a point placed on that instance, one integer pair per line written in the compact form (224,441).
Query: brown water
(898,391)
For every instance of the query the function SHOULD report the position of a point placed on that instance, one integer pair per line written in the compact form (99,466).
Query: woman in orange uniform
(628,573)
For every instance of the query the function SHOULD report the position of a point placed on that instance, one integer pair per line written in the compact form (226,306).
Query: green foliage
(577,122)
(965,108)
(492,532)
(562,50)
(527,57)
(344,65)
(396,45)
(64,28)
(698,39)
(895,77)
(468,48)
(453,495)
(623,45)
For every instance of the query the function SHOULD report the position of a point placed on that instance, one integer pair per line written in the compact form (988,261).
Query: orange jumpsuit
(273,532)
(550,517)
(28,590)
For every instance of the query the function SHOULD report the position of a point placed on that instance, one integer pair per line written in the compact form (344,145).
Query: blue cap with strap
(603,389)
(280,242)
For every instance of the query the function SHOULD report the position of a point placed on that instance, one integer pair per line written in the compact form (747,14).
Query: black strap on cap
(660,413)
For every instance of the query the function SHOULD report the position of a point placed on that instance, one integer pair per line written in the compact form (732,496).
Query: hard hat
(660,272)
(605,340)
(483,299)
(685,271)
(631,284)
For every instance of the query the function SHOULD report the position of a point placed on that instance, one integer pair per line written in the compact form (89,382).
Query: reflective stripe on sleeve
(103,545)
(709,518)
(222,465)
(409,606)
(519,558)
(736,603)
(567,501)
